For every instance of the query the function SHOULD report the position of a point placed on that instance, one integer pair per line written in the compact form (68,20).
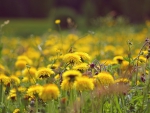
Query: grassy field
(103,70)
(26,27)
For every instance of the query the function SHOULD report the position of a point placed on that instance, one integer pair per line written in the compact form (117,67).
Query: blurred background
(39,15)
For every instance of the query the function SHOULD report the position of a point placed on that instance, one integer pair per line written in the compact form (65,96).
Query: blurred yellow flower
(12,95)
(44,73)
(57,21)
(119,59)
(34,90)
(84,56)
(20,64)
(81,67)
(4,79)
(29,72)
(16,111)
(122,81)
(71,75)
(67,85)
(84,83)
(15,80)
(49,92)
(72,58)
(104,79)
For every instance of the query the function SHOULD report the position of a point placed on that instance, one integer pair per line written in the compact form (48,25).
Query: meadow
(103,70)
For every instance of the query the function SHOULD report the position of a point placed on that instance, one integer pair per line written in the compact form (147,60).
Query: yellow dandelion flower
(144,53)
(104,79)
(15,80)
(72,58)
(21,89)
(50,91)
(119,59)
(44,73)
(12,95)
(28,72)
(53,66)
(34,90)
(57,21)
(80,67)
(84,83)
(16,111)
(25,58)
(122,81)
(124,65)
(71,75)
(20,64)
(4,79)
(142,60)
(67,85)
(83,56)
(57,77)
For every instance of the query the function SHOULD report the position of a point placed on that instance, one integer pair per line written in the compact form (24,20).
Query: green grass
(26,27)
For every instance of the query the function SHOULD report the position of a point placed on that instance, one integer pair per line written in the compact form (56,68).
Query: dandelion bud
(92,65)
(142,78)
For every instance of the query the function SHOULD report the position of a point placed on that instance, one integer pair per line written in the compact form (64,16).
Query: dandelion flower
(44,73)
(57,21)
(16,111)
(71,75)
(67,85)
(15,80)
(81,67)
(104,79)
(25,58)
(4,79)
(83,56)
(84,83)
(122,81)
(12,94)
(72,58)
(20,64)
(29,72)
(119,59)
(50,91)
(34,90)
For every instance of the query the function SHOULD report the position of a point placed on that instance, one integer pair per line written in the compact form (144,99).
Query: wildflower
(142,60)
(84,83)
(20,64)
(16,111)
(80,67)
(22,61)
(15,80)
(12,95)
(57,21)
(50,91)
(124,65)
(21,89)
(71,75)
(44,73)
(83,56)
(104,79)
(25,58)
(119,59)
(34,90)
(72,58)
(67,85)
(29,72)
(122,81)
(4,79)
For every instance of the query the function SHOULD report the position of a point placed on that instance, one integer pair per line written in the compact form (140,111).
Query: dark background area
(135,10)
